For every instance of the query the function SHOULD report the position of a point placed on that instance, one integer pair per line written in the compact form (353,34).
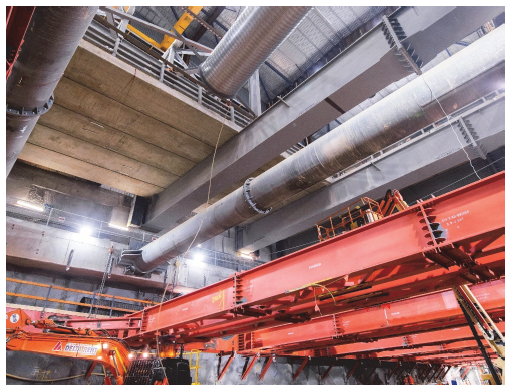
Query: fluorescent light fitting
(198,256)
(118,227)
(30,205)
(86,230)
(246,256)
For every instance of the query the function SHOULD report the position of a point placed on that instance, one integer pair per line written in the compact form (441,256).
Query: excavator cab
(164,371)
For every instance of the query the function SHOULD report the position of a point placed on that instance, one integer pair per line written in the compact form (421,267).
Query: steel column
(353,371)
(227,364)
(249,366)
(269,361)
(302,366)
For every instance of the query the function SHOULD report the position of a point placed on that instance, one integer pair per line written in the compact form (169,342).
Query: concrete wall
(66,193)
(280,372)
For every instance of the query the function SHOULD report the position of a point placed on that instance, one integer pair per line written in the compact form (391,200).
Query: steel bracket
(32,112)
(248,198)
(394,34)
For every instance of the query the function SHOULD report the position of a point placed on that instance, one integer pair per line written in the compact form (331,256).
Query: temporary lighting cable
(177,263)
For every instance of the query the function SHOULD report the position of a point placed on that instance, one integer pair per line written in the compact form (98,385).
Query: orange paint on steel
(63,301)
(75,290)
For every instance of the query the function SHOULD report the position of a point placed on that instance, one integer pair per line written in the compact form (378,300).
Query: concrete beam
(412,162)
(366,67)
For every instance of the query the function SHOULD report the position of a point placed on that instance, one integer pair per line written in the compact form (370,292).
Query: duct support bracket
(248,198)
(31,113)
(471,137)
(394,34)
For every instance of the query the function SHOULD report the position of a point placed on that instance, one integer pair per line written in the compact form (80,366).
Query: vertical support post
(46,302)
(480,345)
(161,74)
(232,114)
(446,372)
(267,365)
(225,368)
(49,215)
(325,375)
(92,304)
(200,94)
(112,305)
(254,90)
(304,363)
(353,370)
(393,371)
(116,46)
(249,367)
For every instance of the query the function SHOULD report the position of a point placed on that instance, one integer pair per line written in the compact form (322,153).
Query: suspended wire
(451,125)
(463,178)
(180,260)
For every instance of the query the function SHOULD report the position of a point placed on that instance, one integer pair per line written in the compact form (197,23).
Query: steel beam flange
(394,35)
(248,198)
(34,112)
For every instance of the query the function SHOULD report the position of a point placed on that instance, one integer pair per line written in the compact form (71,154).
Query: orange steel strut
(436,244)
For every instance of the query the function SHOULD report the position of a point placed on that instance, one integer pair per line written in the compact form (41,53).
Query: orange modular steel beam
(401,256)
(402,321)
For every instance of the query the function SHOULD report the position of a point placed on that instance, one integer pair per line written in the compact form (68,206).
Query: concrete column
(254,90)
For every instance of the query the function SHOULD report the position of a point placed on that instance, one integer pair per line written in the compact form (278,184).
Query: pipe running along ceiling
(49,43)
(247,44)
(461,79)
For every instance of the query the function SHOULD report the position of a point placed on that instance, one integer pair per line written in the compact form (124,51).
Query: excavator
(114,355)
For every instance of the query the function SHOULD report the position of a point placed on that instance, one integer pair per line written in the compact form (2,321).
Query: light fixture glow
(86,230)
(30,205)
(246,256)
(198,256)
(99,357)
(105,345)
(145,354)
(131,355)
(118,227)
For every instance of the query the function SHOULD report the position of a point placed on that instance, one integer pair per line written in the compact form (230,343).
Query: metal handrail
(99,36)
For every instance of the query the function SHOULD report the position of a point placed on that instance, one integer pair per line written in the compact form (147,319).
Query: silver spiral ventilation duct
(248,43)
(49,43)
(456,82)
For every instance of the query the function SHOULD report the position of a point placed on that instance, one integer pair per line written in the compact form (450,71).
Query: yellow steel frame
(195,367)
(181,25)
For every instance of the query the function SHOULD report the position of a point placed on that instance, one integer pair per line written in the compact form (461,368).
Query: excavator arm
(109,352)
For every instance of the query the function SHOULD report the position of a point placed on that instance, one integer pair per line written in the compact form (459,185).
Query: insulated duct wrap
(248,43)
(456,82)
(49,43)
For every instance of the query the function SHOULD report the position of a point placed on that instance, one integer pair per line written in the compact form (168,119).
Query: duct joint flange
(31,113)
(248,198)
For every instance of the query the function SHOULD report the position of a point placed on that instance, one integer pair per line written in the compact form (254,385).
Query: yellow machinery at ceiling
(183,22)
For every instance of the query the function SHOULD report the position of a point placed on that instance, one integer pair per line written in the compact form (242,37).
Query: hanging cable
(451,125)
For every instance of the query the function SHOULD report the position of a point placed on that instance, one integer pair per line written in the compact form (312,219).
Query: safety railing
(130,305)
(65,220)
(100,36)
(364,211)
(422,133)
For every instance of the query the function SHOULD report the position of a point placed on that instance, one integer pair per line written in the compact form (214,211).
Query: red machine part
(18,19)
(108,352)
(404,319)
(401,256)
